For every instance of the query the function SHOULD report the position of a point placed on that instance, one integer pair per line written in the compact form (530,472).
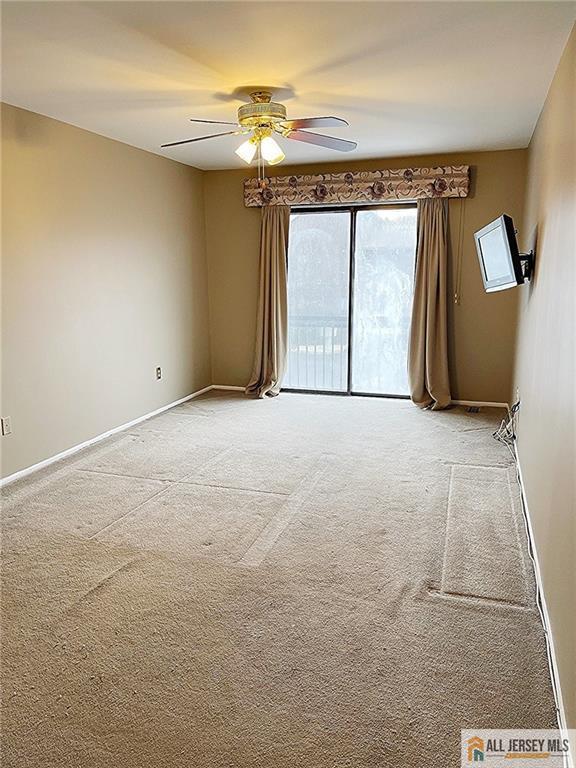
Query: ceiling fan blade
(330,142)
(214,122)
(200,138)
(314,122)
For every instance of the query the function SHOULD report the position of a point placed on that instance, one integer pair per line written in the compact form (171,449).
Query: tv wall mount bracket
(527,264)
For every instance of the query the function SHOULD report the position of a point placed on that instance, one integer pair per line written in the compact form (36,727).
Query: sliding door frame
(352,210)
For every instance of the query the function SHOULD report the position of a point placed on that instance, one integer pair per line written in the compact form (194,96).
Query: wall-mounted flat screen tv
(498,254)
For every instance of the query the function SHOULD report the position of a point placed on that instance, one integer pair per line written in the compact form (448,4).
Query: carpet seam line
(445,555)
(297,498)
(130,512)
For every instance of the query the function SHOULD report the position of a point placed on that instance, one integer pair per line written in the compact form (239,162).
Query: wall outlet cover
(6,422)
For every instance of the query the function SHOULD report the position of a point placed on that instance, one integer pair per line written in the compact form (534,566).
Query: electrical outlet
(6,425)
(158,372)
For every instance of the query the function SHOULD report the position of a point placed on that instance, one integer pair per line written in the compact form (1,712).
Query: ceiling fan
(262,118)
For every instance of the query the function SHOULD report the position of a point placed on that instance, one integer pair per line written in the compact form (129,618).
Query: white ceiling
(409,77)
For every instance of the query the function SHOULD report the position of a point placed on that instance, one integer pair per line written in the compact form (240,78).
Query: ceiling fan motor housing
(261,111)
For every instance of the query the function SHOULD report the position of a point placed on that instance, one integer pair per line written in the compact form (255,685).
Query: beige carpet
(324,582)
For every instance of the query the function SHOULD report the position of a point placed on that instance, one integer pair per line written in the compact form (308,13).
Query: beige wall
(483,326)
(545,368)
(104,278)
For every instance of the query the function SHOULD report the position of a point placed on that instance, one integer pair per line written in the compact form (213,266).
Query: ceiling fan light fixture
(247,150)
(262,118)
(271,151)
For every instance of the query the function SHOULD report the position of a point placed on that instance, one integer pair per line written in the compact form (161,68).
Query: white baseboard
(480,404)
(477,403)
(541,595)
(75,448)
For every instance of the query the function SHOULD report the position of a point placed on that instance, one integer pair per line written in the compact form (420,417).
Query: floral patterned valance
(358,187)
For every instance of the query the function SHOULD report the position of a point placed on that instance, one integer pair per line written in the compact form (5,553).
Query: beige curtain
(428,349)
(272,322)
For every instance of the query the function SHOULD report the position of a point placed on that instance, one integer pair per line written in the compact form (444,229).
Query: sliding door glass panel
(318,291)
(385,252)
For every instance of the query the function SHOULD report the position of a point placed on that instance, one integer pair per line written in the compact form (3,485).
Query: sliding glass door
(318,302)
(350,284)
(383,287)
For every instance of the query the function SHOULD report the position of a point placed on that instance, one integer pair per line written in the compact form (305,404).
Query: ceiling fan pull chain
(261,167)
